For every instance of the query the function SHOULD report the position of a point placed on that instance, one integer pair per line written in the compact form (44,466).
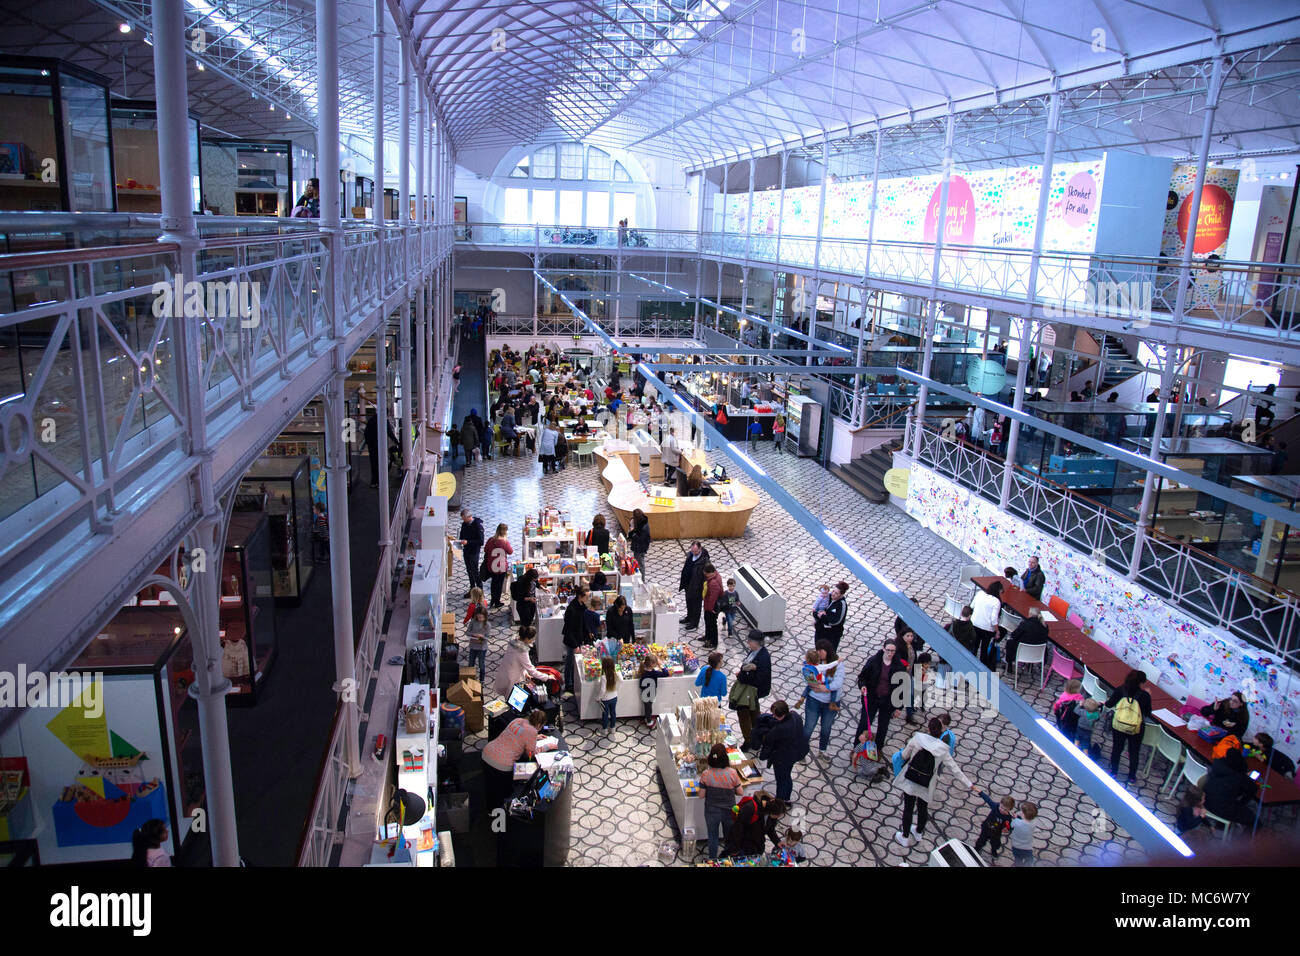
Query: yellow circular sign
(896,481)
(444,486)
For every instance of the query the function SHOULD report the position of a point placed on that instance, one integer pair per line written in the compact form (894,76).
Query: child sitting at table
(1191,813)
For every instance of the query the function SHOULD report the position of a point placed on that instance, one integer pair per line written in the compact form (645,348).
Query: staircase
(866,473)
(1113,351)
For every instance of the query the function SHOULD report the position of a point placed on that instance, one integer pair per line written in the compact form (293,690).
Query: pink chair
(1061,664)
(1192,705)
(1075,620)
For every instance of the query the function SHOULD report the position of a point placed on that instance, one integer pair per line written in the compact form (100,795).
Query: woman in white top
(546,447)
(919,778)
(986,608)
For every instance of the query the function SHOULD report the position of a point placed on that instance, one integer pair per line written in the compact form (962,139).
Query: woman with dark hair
(638,538)
(598,535)
(526,602)
(923,758)
(711,681)
(712,591)
(1231,714)
(618,621)
(986,608)
(828,625)
(756,818)
(756,672)
(498,550)
(146,844)
(722,787)
(1228,789)
(1131,709)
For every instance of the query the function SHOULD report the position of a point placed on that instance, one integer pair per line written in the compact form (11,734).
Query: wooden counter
(703,517)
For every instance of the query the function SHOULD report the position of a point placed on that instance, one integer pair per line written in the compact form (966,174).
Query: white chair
(1009,619)
(952,607)
(968,572)
(1222,821)
(1161,741)
(1193,771)
(1093,686)
(1029,654)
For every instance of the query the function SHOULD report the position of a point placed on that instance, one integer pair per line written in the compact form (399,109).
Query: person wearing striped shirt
(722,788)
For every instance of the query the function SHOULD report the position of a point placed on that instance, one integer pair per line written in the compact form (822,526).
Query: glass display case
(247,606)
(391,207)
(56,140)
(245,177)
(1264,546)
(120,747)
(135,157)
(282,488)
(306,436)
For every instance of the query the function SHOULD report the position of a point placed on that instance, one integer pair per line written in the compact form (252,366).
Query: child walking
(1022,834)
(1001,813)
(608,695)
(478,630)
(728,604)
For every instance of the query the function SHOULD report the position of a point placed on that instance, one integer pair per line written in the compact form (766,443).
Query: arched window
(572,184)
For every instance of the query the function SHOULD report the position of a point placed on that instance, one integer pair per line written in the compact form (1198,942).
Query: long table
(1112,670)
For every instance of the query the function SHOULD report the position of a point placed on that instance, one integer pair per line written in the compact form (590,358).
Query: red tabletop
(1112,670)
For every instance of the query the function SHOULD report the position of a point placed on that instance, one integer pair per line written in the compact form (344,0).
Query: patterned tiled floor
(620,814)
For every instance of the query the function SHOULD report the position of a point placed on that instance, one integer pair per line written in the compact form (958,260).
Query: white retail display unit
(671,692)
(419,777)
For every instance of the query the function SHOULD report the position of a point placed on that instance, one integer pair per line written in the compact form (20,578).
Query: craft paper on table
(1048,616)
(1168,717)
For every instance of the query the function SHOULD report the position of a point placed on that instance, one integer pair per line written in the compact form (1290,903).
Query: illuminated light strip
(1111,784)
(731,447)
(870,568)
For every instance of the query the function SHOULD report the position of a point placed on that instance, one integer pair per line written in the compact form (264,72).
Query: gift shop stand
(683,739)
(540,811)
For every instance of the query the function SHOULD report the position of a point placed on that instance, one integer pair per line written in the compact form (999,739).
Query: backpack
(517,589)
(920,769)
(1127,718)
(1063,712)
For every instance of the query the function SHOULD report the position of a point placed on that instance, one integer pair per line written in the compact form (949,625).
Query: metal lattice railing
(1209,589)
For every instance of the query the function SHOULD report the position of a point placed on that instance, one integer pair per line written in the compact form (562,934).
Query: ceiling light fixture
(200,65)
(124,28)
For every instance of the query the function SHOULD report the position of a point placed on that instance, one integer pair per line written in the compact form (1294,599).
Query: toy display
(678,658)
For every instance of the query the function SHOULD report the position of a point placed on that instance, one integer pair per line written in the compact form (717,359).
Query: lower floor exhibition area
(667,640)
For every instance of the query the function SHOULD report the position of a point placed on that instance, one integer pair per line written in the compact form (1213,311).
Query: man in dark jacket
(1033,579)
(784,747)
(471,540)
(692,582)
(755,671)
(1031,631)
(574,633)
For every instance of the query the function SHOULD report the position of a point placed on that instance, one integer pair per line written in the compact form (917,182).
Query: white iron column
(327,149)
(1180,304)
(407,314)
(178,226)
(927,327)
(858,401)
(817,251)
(780,230)
(749,221)
(1031,294)
(388,251)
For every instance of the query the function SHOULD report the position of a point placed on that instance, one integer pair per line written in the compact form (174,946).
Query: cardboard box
(468,694)
(449,624)
(469,672)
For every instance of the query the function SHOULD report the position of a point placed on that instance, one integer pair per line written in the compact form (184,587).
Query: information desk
(703,517)
(670,692)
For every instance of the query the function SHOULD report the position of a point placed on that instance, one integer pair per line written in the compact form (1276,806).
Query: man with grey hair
(1031,632)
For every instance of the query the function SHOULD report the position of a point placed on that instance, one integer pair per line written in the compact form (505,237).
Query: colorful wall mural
(1191,657)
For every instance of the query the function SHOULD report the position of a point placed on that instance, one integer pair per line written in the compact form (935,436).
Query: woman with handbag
(496,559)
(753,683)
(924,758)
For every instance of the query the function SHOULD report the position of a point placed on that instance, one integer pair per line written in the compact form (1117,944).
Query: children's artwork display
(989,207)
(1190,656)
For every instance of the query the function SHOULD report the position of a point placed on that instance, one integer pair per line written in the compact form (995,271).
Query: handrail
(51,258)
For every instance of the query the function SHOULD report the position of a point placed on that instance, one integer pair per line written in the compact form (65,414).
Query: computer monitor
(518,698)
(719,473)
